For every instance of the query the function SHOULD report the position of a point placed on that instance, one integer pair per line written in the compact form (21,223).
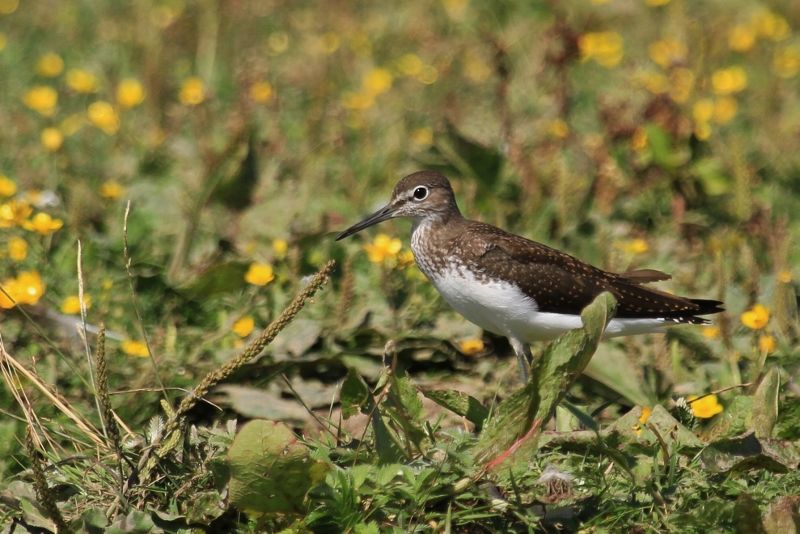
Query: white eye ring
(420,193)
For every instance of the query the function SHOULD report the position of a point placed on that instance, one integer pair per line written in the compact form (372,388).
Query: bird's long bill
(386,212)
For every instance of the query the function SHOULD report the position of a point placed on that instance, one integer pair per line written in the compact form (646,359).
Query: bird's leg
(523,352)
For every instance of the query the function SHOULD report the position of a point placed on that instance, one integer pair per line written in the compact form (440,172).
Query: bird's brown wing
(560,283)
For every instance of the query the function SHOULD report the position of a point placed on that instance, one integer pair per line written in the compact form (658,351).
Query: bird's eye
(420,193)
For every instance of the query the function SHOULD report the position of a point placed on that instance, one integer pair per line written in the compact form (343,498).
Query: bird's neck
(431,236)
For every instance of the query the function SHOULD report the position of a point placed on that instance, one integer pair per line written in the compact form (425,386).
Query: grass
(181,168)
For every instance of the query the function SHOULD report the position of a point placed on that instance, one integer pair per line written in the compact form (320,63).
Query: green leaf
(765,403)
(271,471)
(735,420)
(460,404)
(355,394)
(612,368)
(748,452)
(520,418)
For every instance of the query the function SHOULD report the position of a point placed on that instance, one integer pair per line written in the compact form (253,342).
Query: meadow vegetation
(185,348)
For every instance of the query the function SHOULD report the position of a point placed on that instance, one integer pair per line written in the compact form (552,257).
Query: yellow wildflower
(7,186)
(17,248)
(8,6)
(377,81)
(703,110)
(14,213)
(702,130)
(41,99)
(667,52)
(741,38)
(244,326)
(50,65)
(771,25)
(725,109)
(405,259)
(193,91)
(130,93)
(259,274)
(729,81)
(280,247)
(711,331)
(261,92)
(135,348)
(603,47)
(422,136)
(558,128)
(786,61)
(29,287)
(111,189)
(634,246)
(639,139)
(383,248)
(681,82)
(43,223)
(704,407)
(643,417)
(455,9)
(71,305)
(82,81)
(471,346)
(409,65)
(766,343)
(52,139)
(477,69)
(785,277)
(103,115)
(756,317)
(655,82)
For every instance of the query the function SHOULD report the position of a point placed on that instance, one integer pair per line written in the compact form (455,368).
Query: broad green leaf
(765,403)
(271,471)
(736,419)
(519,419)
(748,452)
(461,404)
(355,394)
(612,368)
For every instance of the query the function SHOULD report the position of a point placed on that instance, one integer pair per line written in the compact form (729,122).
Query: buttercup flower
(7,186)
(82,81)
(741,38)
(729,81)
(766,343)
(111,189)
(261,92)
(43,223)
(259,274)
(50,65)
(135,348)
(41,99)
(786,61)
(667,52)
(26,288)
(17,248)
(130,93)
(756,317)
(711,331)
(71,305)
(14,213)
(103,115)
(377,81)
(279,247)
(383,248)
(603,47)
(52,139)
(471,346)
(704,407)
(193,91)
(422,136)
(244,326)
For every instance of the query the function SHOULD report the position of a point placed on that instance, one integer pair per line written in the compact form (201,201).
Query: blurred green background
(244,134)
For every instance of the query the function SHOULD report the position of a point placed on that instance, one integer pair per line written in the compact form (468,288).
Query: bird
(515,287)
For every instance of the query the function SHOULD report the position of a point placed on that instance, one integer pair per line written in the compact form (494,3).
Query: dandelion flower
(704,407)
(259,274)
